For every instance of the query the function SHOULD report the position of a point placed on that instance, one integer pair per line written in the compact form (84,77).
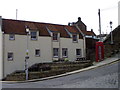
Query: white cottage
(44,43)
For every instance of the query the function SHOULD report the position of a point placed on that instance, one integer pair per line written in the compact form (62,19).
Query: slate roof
(88,33)
(10,26)
(72,29)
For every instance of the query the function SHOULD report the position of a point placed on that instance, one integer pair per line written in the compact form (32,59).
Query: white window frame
(11,36)
(76,39)
(36,36)
(55,52)
(79,52)
(37,55)
(64,52)
(55,35)
(10,57)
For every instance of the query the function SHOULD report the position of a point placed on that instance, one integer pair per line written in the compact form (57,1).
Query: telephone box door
(99,51)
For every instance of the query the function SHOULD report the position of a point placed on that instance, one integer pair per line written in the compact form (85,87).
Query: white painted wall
(18,47)
(68,43)
(45,44)
(119,13)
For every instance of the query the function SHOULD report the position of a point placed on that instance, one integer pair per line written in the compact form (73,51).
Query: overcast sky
(63,11)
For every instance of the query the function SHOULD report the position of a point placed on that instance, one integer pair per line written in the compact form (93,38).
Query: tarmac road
(100,77)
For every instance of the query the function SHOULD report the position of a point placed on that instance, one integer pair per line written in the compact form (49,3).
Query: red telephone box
(99,51)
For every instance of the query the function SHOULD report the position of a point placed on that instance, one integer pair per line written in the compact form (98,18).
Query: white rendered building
(45,43)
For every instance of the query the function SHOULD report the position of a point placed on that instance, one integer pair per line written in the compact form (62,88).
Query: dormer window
(74,36)
(33,35)
(55,36)
(11,37)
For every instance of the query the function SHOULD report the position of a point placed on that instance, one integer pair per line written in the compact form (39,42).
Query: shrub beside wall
(55,69)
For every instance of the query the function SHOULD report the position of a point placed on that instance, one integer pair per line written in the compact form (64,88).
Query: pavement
(107,61)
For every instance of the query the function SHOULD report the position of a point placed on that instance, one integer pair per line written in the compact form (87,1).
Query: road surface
(100,77)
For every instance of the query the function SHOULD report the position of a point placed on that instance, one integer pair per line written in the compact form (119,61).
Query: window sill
(75,41)
(55,40)
(55,56)
(65,56)
(11,39)
(33,39)
(37,55)
(78,55)
(10,59)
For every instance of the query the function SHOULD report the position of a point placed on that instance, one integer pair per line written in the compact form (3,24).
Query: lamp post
(27,56)
(111,32)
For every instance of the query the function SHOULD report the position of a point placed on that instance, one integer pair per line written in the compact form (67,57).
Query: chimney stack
(79,18)
(69,24)
(91,30)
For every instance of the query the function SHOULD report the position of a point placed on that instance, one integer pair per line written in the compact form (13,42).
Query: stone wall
(111,49)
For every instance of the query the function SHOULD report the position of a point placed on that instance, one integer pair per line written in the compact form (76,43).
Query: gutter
(60,49)
(1,50)
(51,42)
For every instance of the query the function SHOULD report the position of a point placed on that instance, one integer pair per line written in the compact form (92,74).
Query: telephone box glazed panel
(99,51)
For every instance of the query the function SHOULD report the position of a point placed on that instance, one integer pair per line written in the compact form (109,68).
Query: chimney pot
(69,24)
(91,30)
(79,18)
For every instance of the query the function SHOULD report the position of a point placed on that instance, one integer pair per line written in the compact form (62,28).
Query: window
(55,52)
(78,52)
(37,52)
(74,38)
(33,35)
(64,52)
(10,56)
(55,36)
(11,37)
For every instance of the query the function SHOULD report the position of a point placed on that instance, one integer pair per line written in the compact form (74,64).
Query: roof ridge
(34,22)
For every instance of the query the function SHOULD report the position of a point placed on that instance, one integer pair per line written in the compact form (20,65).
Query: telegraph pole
(16,13)
(99,23)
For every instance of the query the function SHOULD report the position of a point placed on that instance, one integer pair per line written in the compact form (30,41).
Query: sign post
(27,55)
